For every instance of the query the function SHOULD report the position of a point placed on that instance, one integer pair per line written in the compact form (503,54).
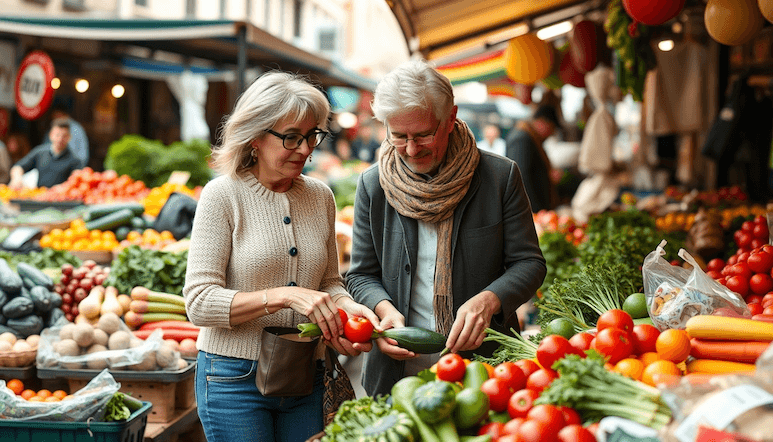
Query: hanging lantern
(733,22)
(583,45)
(528,59)
(766,7)
(653,12)
(568,72)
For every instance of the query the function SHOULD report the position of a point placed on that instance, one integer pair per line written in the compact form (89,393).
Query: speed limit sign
(33,85)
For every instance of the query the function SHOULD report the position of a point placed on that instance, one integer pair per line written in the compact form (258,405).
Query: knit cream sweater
(248,238)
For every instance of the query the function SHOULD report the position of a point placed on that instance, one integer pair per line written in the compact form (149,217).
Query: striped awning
(482,68)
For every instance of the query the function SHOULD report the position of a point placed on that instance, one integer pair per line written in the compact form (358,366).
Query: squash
(727,328)
(110,303)
(91,305)
(434,401)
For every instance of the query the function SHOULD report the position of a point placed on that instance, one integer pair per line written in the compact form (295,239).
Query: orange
(16,386)
(35,399)
(630,367)
(59,394)
(44,393)
(69,396)
(649,357)
(673,345)
(489,369)
(51,399)
(659,371)
(27,394)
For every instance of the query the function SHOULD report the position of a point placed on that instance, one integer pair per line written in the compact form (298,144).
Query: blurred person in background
(79,141)
(53,159)
(492,141)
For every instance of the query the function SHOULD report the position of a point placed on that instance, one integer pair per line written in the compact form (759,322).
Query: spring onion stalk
(513,347)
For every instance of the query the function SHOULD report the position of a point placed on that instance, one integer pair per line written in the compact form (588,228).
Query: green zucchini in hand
(416,339)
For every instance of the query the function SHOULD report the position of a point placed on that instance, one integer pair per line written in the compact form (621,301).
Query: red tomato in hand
(552,348)
(537,431)
(521,402)
(451,368)
(615,318)
(581,342)
(511,374)
(643,338)
(541,379)
(498,393)
(613,343)
(343,315)
(358,329)
(575,433)
(528,366)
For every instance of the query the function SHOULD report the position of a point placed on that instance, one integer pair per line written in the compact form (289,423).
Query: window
(141,2)
(190,8)
(76,5)
(327,39)
(297,18)
(223,7)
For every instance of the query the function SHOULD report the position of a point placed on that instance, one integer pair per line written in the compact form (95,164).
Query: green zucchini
(100,210)
(34,275)
(10,281)
(416,339)
(112,220)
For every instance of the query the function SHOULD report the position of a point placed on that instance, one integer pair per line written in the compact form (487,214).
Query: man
(492,142)
(443,235)
(53,160)
(525,147)
(79,141)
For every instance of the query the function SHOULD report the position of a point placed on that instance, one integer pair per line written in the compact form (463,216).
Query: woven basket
(17,358)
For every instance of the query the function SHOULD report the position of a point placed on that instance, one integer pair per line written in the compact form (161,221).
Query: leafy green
(511,347)
(152,269)
(354,416)
(116,410)
(561,258)
(46,258)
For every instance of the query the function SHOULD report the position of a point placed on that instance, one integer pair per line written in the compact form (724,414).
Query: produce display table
(184,426)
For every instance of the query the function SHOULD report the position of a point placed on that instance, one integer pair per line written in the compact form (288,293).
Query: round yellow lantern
(766,7)
(528,59)
(733,22)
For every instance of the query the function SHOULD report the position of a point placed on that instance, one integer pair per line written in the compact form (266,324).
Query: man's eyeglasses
(420,141)
(293,141)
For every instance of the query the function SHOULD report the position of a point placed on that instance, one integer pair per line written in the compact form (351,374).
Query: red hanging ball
(653,12)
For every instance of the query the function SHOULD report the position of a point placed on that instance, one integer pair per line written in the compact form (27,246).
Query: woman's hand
(352,309)
(391,318)
(318,307)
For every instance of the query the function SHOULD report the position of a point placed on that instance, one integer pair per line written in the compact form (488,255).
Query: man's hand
(472,319)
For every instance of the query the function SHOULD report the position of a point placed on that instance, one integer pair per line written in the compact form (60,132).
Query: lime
(560,326)
(636,305)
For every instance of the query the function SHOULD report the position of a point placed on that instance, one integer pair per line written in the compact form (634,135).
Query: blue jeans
(232,409)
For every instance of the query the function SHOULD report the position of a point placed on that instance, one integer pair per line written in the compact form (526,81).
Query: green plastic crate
(133,430)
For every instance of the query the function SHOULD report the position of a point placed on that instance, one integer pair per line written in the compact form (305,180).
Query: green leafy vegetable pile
(46,258)
(595,392)
(561,258)
(154,269)
(355,416)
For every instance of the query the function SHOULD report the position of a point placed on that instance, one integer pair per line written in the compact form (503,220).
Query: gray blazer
(494,247)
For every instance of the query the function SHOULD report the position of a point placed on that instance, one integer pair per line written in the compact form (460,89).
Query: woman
(263,253)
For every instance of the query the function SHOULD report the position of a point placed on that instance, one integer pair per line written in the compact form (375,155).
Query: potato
(5,346)
(109,323)
(33,340)
(96,363)
(148,362)
(188,348)
(181,363)
(8,337)
(119,340)
(66,331)
(83,334)
(67,347)
(100,337)
(166,357)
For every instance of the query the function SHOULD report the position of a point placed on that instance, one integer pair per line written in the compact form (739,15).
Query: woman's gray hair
(271,98)
(414,85)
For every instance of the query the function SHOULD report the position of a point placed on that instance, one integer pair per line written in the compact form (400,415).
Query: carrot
(714,366)
(761,317)
(735,351)
(138,306)
(169,325)
(727,328)
(177,335)
(140,293)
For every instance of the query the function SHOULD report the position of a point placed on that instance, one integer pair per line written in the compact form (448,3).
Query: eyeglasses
(293,141)
(420,141)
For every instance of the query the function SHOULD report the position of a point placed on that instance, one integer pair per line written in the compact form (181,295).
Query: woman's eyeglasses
(293,141)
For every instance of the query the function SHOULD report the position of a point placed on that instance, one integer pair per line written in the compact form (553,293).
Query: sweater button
(293,251)
(292,284)
(286,220)
(407,268)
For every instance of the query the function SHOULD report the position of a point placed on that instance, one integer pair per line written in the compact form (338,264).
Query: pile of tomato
(92,187)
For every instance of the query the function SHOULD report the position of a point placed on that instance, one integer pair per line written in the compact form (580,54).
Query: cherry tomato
(740,269)
(358,329)
(537,431)
(754,299)
(643,338)
(760,262)
(715,264)
(575,433)
(760,283)
(493,429)
(547,413)
(731,260)
(552,348)
(747,226)
(615,318)
(615,344)
(498,393)
(511,374)
(541,379)
(511,426)
(713,274)
(451,368)
(528,366)
(760,231)
(581,341)
(521,402)
(738,284)
(755,308)
(571,416)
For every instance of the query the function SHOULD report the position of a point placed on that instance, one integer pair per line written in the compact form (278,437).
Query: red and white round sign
(33,85)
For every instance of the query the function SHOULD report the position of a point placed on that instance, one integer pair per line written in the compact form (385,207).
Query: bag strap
(332,364)
(281,330)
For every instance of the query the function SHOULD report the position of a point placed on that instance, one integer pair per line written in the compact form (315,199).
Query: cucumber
(10,281)
(112,220)
(41,299)
(100,210)
(416,339)
(31,324)
(18,307)
(34,275)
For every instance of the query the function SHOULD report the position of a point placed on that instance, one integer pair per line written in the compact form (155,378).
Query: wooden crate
(165,396)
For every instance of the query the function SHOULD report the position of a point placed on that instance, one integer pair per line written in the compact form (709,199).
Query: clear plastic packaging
(675,294)
(88,402)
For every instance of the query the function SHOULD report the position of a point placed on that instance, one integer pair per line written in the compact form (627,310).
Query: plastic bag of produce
(675,294)
(86,403)
(106,344)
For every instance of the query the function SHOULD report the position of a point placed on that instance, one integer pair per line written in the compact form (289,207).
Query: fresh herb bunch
(561,257)
(595,392)
(354,416)
(154,269)
(511,347)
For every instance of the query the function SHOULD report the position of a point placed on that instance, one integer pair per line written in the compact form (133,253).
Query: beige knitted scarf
(434,201)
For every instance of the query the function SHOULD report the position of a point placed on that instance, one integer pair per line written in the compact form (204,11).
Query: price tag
(33,89)
(179,177)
